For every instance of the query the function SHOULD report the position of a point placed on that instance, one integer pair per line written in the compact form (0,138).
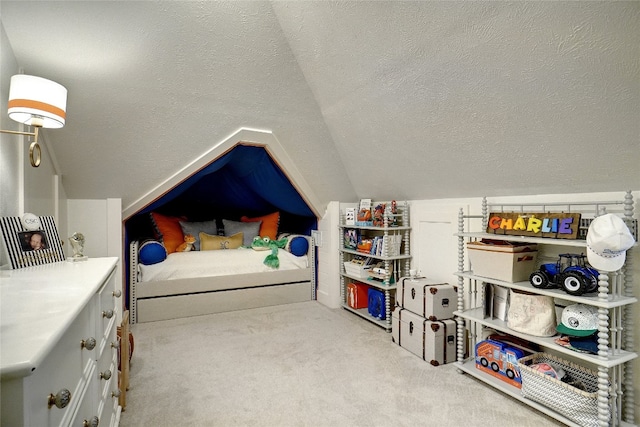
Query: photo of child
(33,240)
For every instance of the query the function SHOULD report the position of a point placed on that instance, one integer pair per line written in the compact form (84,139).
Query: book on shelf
(386,245)
(350,216)
(364,212)
(351,238)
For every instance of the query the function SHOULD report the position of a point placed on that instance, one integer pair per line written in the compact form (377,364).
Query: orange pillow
(269,226)
(170,229)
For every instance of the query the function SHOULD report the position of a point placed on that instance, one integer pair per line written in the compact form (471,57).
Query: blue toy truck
(570,273)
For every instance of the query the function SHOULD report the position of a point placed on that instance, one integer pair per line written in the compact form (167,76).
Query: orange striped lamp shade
(35,101)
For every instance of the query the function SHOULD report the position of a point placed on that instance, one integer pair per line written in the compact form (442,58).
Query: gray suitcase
(433,341)
(431,300)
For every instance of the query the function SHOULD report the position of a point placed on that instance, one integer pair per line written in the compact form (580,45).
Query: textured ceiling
(385,99)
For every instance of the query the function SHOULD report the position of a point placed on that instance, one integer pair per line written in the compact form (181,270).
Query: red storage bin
(357,295)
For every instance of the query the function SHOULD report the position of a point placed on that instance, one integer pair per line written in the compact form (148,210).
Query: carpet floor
(299,365)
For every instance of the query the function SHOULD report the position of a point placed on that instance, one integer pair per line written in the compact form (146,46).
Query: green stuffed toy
(264,244)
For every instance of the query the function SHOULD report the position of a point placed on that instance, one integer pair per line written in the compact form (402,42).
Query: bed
(224,269)
(206,282)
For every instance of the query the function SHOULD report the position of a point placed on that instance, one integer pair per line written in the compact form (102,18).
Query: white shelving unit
(614,299)
(395,265)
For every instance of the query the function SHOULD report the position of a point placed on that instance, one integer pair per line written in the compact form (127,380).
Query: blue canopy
(244,181)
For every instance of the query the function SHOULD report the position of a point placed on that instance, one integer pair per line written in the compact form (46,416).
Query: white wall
(10,161)
(24,188)
(100,223)
(328,279)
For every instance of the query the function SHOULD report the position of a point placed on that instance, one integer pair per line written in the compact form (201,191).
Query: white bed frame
(171,299)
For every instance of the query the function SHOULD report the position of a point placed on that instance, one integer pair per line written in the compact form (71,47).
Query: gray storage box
(429,299)
(433,341)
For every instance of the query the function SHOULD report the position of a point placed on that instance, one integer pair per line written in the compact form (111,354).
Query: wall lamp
(36,102)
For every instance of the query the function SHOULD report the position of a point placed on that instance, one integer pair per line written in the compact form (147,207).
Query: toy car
(570,273)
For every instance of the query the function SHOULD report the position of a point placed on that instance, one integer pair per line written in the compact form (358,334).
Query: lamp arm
(35,153)
(15,132)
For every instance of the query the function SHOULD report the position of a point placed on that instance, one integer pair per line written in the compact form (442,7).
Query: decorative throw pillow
(248,229)
(194,228)
(170,231)
(269,227)
(151,252)
(212,243)
(297,244)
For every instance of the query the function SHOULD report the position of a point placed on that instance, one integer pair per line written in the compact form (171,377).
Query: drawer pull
(105,375)
(93,422)
(117,293)
(60,400)
(89,343)
(108,314)
(115,393)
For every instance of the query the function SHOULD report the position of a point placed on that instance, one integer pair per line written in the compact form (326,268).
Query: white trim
(246,135)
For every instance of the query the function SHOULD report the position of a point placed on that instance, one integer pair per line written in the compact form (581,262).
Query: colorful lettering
(534,224)
(565,226)
(520,224)
(506,223)
(494,222)
(550,225)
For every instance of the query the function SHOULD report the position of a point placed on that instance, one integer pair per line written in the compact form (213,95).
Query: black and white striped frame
(20,256)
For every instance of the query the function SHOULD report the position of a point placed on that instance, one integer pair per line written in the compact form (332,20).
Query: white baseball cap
(579,320)
(608,239)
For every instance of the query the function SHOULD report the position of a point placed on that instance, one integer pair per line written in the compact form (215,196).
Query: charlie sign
(552,225)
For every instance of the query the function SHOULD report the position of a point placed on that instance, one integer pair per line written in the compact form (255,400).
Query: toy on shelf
(500,361)
(570,273)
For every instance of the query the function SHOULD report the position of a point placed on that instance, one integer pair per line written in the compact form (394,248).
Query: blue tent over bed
(244,181)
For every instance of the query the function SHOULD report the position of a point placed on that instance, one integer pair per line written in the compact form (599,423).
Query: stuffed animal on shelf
(265,244)
(378,215)
(187,245)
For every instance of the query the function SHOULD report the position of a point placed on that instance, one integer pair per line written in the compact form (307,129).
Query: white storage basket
(357,270)
(580,406)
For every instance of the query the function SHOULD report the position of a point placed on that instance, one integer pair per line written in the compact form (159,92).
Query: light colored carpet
(299,365)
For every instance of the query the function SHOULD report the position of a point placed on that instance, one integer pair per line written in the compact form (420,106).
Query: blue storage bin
(376,305)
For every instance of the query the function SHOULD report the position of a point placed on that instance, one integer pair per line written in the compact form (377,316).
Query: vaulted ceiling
(384,99)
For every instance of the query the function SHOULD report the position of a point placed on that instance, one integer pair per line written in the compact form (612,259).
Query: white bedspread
(184,265)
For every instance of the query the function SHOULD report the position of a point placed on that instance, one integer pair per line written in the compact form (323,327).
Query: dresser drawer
(67,367)
(107,312)
(108,399)
(87,409)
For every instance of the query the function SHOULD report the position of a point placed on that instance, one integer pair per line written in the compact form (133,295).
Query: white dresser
(58,344)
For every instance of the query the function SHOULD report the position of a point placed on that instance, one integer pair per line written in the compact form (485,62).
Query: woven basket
(580,406)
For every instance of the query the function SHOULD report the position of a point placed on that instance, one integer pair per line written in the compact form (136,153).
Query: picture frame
(31,245)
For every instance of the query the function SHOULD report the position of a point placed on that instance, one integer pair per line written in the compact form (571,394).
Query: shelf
(374,283)
(477,315)
(380,257)
(387,239)
(528,239)
(614,299)
(590,299)
(363,312)
(469,366)
(376,228)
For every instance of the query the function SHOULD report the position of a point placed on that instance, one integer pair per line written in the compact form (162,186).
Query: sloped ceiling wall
(386,99)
